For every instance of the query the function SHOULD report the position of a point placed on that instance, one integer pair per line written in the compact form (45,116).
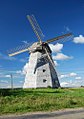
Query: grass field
(32,100)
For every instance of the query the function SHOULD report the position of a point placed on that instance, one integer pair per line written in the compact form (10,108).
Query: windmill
(41,70)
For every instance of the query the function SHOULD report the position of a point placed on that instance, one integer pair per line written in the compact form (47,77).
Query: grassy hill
(31,100)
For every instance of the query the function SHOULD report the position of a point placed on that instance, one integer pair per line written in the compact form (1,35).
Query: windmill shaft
(59,37)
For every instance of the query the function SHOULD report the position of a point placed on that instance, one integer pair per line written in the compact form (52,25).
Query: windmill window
(44,80)
(44,70)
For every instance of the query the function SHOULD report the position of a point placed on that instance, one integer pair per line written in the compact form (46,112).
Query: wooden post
(11,76)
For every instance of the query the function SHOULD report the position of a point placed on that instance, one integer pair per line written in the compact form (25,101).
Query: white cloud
(64,84)
(21,81)
(55,62)
(25,42)
(2,75)
(25,68)
(79,39)
(78,78)
(7,76)
(18,72)
(62,76)
(67,28)
(61,56)
(72,74)
(57,54)
(71,83)
(15,74)
(3,81)
(56,48)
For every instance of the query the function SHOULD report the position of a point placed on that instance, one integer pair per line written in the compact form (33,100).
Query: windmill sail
(59,37)
(50,60)
(18,50)
(37,30)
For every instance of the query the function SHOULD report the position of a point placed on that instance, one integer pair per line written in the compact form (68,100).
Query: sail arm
(58,38)
(31,20)
(18,52)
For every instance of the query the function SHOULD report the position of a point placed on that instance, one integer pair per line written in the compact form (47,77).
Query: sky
(55,17)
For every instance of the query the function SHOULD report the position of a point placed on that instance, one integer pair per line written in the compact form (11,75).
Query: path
(63,114)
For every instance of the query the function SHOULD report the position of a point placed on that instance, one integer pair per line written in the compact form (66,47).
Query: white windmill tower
(41,69)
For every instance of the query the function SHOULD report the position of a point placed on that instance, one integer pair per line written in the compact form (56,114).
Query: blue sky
(55,17)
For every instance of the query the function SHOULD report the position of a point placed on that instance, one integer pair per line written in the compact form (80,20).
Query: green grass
(31,100)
